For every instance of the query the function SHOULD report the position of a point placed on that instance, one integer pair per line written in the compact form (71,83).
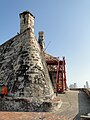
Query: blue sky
(66,24)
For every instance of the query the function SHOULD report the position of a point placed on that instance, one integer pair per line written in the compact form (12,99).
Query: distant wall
(87,91)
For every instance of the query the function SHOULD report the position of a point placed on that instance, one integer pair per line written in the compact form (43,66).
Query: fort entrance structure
(30,74)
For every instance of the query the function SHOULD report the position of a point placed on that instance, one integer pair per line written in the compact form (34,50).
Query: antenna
(47,45)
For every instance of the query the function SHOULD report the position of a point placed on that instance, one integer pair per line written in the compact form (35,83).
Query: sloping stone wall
(24,104)
(23,67)
(27,105)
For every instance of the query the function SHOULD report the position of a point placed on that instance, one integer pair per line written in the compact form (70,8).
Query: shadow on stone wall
(23,105)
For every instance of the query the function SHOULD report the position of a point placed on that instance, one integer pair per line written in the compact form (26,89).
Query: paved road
(74,104)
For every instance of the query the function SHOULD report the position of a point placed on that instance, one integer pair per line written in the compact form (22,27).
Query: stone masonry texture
(23,69)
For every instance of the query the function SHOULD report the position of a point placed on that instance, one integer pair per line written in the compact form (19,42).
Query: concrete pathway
(74,104)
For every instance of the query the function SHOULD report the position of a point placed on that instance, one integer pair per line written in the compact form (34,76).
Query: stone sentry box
(23,69)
